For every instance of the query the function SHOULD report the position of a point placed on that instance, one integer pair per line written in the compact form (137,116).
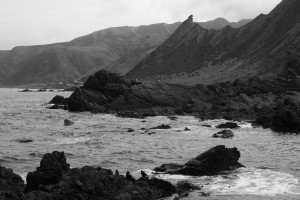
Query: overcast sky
(31,22)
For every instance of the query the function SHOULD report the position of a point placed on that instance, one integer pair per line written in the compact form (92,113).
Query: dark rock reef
(54,180)
(212,162)
(248,99)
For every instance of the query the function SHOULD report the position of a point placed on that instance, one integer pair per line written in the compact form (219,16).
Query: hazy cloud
(29,22)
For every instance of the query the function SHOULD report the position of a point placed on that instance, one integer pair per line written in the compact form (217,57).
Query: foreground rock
(11,185)
(211,162)
(50,171)
(98,183)
(224,134)
(54,180)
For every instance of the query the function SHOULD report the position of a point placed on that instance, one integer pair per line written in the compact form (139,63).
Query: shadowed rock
(230,125)
(11,185)
(286,121)
(51,168)
(59,100)
(211,162)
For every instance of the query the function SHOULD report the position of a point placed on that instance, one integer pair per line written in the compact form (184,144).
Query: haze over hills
(115,49)
(195,55)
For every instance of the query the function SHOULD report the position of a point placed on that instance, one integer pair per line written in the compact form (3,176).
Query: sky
(33,22)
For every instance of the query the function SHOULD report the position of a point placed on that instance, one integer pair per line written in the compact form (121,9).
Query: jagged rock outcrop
(50,171)
(212,162)
(108,92)
(11,185)
(243,99)
(194,55)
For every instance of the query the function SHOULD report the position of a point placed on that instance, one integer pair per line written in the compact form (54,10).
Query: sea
(272,159)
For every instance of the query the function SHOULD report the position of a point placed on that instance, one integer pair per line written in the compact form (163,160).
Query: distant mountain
(84,55)
(196,55)
(116,49)
(220,23)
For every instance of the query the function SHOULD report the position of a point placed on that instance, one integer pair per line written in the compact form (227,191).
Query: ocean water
(272,160)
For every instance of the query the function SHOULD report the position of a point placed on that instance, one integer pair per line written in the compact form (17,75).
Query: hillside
(81,56)
(195,55)
(116,49)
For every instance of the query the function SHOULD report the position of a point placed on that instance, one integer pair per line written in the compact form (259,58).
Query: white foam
(245,181)
(72,140)
(255,182)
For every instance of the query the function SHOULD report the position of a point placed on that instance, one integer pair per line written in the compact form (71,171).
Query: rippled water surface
(272,159)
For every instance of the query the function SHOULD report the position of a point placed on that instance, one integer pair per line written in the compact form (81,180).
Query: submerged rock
(211,162)
(163,126)
(224,134)
(68,122)
(26,90)
(24,140)
(11,185)
(230,125)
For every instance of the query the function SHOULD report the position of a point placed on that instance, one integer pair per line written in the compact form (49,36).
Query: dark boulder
(59,100)
(211,162)
(51,169)
(286,121)
(224,134)
(24,140)
(264,121)
(130,130)
(186,129)
(163,126)
(230,125)
(68,122)
(11,185)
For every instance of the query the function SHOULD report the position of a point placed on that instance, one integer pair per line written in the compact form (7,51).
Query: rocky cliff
(195,55)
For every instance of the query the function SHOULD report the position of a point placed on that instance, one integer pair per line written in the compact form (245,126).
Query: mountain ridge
(116,49)
(259,48)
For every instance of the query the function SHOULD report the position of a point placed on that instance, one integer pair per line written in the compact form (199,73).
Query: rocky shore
(271,103)
(55,180)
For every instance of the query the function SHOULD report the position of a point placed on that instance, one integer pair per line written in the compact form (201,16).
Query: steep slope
(195,55)
(55,65)
(96,51)
(3,53)
(3,72)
